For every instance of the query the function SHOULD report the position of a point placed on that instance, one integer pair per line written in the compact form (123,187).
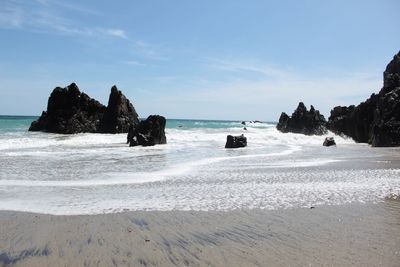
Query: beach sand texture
(347,235)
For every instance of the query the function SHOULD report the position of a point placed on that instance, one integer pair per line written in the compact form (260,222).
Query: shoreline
(342,235)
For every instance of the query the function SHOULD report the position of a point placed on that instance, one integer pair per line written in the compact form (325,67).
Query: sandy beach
(347,235)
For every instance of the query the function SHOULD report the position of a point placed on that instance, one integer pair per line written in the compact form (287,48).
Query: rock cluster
(148,132)
(235,141)
(71,111)
(303,121)
(377,120)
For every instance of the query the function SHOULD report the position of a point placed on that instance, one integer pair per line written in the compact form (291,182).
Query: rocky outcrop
(376,120)
(329,141)
(119,114)
(235,141)
(354,121)
(148,132)
(303,121)
(71,111)
(385,130)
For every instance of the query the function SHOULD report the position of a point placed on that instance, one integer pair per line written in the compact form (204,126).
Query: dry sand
(347,235)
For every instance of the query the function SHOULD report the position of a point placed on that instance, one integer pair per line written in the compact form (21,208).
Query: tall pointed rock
(119,114)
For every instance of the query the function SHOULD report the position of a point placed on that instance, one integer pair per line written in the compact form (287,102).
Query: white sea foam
(43,140)
(360,186)
(118,178)
(93,173)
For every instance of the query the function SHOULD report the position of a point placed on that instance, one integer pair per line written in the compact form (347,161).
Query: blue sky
(206,59)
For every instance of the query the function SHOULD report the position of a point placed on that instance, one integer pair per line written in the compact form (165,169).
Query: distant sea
(100,173)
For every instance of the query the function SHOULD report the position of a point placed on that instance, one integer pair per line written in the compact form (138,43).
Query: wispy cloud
(147,50)
(117,33)
(311,90)
(133,63)
(238,66)
(53,17)
(243,96)
(11,16)
(283,85)
(67,5)
(40,16)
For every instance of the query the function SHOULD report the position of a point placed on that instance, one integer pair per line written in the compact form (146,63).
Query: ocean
(100,173)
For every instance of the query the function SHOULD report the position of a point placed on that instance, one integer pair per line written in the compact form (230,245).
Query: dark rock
(303,121)
(148,132)
(244,128)
(354,121)
(391,75)
(339,121)
(235,141)
(329,141)
(243,122)
(376,120)
(119,114)
(385,129)
(71,111)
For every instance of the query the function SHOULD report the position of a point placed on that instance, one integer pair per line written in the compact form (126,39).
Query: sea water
(99,173)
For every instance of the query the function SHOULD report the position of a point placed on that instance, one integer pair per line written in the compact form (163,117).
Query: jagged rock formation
(303,121)
(235,141)
(377,120)
(329,141)
(119,114)
(148,132)
(71,111)
(353,121)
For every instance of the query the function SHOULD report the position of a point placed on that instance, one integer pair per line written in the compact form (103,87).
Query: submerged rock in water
(303,121)
(235,141)
(329,141)
(377,120)
(148,132)
(119,114)
(71,111)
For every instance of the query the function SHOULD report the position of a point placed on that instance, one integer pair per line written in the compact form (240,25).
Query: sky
(208,59)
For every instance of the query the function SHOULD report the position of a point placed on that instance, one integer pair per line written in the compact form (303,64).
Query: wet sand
(346,235)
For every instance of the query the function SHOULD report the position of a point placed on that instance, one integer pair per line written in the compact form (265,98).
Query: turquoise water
(210,124)
(10,124)
(99,173)
(21,123)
